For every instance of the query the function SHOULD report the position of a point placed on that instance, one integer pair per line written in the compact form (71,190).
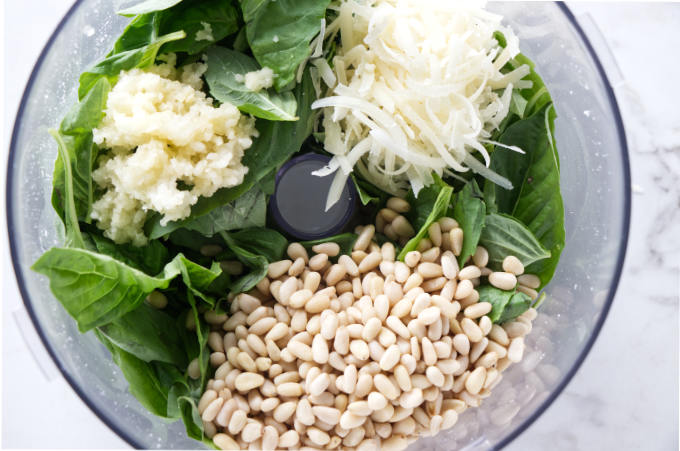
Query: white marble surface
(625,395)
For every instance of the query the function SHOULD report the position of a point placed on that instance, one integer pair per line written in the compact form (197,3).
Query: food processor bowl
(595,185)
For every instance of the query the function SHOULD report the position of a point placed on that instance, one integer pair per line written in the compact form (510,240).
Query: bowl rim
(519,429)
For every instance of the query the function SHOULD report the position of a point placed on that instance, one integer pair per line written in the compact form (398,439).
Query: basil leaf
(96,289)
(258,265)
(148,334)
(151,258)
(276,143)
(437,210)
(143,381)
(536,200)
(469,210)
(74,140)
(226,69)
(507,305)
(112,65)
(147,7)
(280,31)
(249,210)
(204,22)
(266,242)
(504,235)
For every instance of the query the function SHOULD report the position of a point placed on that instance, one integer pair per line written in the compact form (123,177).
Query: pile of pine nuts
(364,353)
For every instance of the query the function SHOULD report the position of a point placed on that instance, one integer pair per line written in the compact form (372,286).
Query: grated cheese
(415,88)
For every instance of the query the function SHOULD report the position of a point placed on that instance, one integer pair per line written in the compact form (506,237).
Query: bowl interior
(595,186)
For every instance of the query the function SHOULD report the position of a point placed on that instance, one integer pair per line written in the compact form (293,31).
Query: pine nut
(424,245)
(411,399)
(329,248)
(350,421)
(529,280)
(359,349)
(223,441)
(411,259)
(214,318)
(289,389)
(289,439)
(435,234)
(399,205)
(194,369)
(402,227)
(390,358)
(401,272)
(248,381)
(262,326)
(430,255)
(385,386)
(449,265)
(397,327)
(413,281)
(317,262)
(318,303)
(350,267)
(327,414)
(304,413)
(341,342)
(157,300)
(429,315)
(401,375)
(251,432)
(335,274)
(469,272)
(388,252)
(516,349)
(446,224)
(513,265)
(371,262)
(464,289)
(237,422)
(456,238)
(480,257)
(212,410)
(435,376)
(485,325)
(475,381)
(478,310)
(365,237)
(429,270)
(503,280)
(277,269)
(472,330)
(533,294)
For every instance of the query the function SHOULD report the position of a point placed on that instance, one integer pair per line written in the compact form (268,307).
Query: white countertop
(625,396)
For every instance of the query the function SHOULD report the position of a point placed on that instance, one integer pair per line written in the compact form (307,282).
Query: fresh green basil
(249,210)
(266,242)
(148,334)
(143,381)
(437,209)
(469,211)
(257,264)
(150,258)
(280,32)
(536,200)
(225,78)
(507,305)
(504,235)
(96,289)
(74,141)
(111,66)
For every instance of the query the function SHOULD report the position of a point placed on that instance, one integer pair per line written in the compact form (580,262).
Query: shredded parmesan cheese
(416,87)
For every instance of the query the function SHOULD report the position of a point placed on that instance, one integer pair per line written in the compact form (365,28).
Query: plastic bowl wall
(595,184)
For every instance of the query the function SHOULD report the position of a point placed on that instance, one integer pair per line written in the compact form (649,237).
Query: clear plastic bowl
(595,185)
